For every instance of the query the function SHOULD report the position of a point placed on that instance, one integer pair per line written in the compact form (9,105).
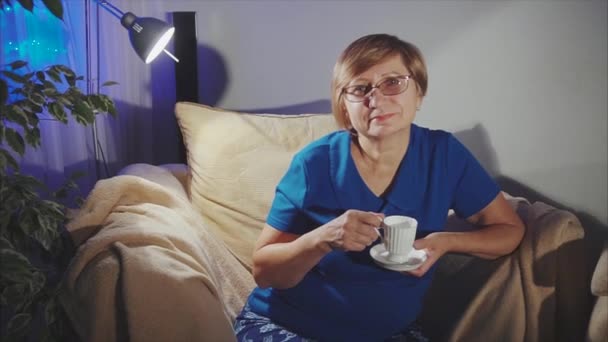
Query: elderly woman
(316,278)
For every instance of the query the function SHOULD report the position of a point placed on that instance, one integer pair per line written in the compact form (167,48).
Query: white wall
(523,83)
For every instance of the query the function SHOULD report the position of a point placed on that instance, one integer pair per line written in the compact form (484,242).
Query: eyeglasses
(392,85)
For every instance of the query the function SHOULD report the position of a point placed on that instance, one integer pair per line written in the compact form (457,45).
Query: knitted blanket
(540,292)
(147,270)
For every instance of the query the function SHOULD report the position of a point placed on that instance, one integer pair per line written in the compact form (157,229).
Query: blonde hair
(366,52)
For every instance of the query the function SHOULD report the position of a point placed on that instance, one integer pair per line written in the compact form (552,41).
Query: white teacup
(399,235)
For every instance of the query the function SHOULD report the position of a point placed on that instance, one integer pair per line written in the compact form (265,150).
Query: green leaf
(54,208)
(33,107)
(38,281)
(54,75)
(40,76)
(98,103)
(5,244)
(17,64)
(65,70)
(15,266)
(48,88)
(15,141)
(68,74)
(45,234)
(48,84)
(14,76)
(109,83)
(56,109)
(27,4)
(6,160)
(3,92)
(38,99)
(65,101)
(70,80)
(111,107)
(50,311)
(32,118)
(17,115)
(83,112)
(17,326)
(55,7)
(28,75)
(32,137)
(15,296)
(50,92)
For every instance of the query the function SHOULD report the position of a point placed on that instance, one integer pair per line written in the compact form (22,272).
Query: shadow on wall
(213,81)
(478,141)
(212,75)
(139,135)
(593,226)
(313,107)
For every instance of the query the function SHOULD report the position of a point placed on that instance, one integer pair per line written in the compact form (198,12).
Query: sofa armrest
(179,171)
(148,269)
(599,282)
(171,176)
(103,307)
(540,292)
(598,323)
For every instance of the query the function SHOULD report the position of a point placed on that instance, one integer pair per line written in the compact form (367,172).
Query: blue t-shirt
(346,296)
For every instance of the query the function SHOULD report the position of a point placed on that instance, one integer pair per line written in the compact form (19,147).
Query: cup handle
(380,234)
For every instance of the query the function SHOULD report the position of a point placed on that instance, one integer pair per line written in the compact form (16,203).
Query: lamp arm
(111,8)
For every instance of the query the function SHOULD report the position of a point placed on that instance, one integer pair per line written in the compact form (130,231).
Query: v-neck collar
(346,177)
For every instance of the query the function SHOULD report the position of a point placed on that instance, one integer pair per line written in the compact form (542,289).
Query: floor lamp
(148,36)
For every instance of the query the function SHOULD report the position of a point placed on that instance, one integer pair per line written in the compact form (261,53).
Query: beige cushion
(236,161)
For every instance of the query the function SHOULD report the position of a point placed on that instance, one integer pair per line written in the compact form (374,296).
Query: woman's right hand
(352,231)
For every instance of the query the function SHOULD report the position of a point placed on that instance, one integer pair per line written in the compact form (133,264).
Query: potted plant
(33,250)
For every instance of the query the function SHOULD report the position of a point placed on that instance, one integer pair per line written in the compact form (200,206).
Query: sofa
(164,251)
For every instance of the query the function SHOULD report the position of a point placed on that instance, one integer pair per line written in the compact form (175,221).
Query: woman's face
(380,115)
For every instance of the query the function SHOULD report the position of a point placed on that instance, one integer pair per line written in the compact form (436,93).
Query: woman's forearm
(489,242)
(284,265)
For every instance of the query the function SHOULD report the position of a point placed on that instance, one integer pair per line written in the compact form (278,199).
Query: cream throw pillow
(235,162)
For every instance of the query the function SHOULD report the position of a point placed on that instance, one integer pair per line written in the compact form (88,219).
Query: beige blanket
(139,240)
(538,293)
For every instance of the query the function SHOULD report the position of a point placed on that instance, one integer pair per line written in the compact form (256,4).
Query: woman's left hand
(435,245)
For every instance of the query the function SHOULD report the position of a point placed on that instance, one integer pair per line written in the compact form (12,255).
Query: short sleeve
(473,188)
(286,213)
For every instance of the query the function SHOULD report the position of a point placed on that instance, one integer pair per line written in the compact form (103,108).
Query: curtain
(42,40)
(145,130)
(92,42)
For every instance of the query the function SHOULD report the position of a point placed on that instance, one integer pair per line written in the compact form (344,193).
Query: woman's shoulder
(321,147)
(442,142)
(432,136)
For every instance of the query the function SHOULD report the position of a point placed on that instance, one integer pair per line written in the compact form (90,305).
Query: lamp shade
(148,36)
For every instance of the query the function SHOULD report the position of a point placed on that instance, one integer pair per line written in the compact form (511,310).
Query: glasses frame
(370,88)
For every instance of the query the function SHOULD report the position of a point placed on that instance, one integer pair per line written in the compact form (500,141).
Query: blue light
(37,37)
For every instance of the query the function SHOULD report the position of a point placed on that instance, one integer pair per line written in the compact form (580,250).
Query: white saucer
(414,260)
